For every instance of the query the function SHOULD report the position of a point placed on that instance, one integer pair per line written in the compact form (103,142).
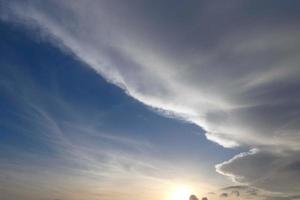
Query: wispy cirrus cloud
(66,154)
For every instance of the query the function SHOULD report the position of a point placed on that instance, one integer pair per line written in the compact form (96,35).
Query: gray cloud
(268,170)
(237,187)
(248,192)
(224,195)
(232,68)
(193,197)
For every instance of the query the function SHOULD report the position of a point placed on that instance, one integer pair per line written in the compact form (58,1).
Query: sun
(181,193)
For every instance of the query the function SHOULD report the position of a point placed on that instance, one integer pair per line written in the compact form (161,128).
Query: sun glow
(181,193)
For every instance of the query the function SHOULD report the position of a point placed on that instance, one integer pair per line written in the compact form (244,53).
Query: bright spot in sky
(181,193)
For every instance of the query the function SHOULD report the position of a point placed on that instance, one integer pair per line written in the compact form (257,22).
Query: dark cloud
(224,195)
(240,191)
(239,187)
(204,198)
(248,192)
(193,197)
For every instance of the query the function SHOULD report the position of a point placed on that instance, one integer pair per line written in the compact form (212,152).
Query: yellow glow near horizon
(181,193)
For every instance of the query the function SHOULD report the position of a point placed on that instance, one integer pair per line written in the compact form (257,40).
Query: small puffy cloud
(193,197)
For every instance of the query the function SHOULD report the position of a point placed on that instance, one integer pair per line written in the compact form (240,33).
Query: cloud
(267,170)
(193,197)
(237,187)
(248,192)
(237,190)
(224,195)
(234,73)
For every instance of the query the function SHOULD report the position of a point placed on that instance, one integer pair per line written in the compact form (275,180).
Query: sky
(148,99)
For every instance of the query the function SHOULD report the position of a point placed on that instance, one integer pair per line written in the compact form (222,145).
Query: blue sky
(39,82)
(149,99)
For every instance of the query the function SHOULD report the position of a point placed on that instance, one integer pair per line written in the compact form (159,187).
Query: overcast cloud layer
(231,67)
